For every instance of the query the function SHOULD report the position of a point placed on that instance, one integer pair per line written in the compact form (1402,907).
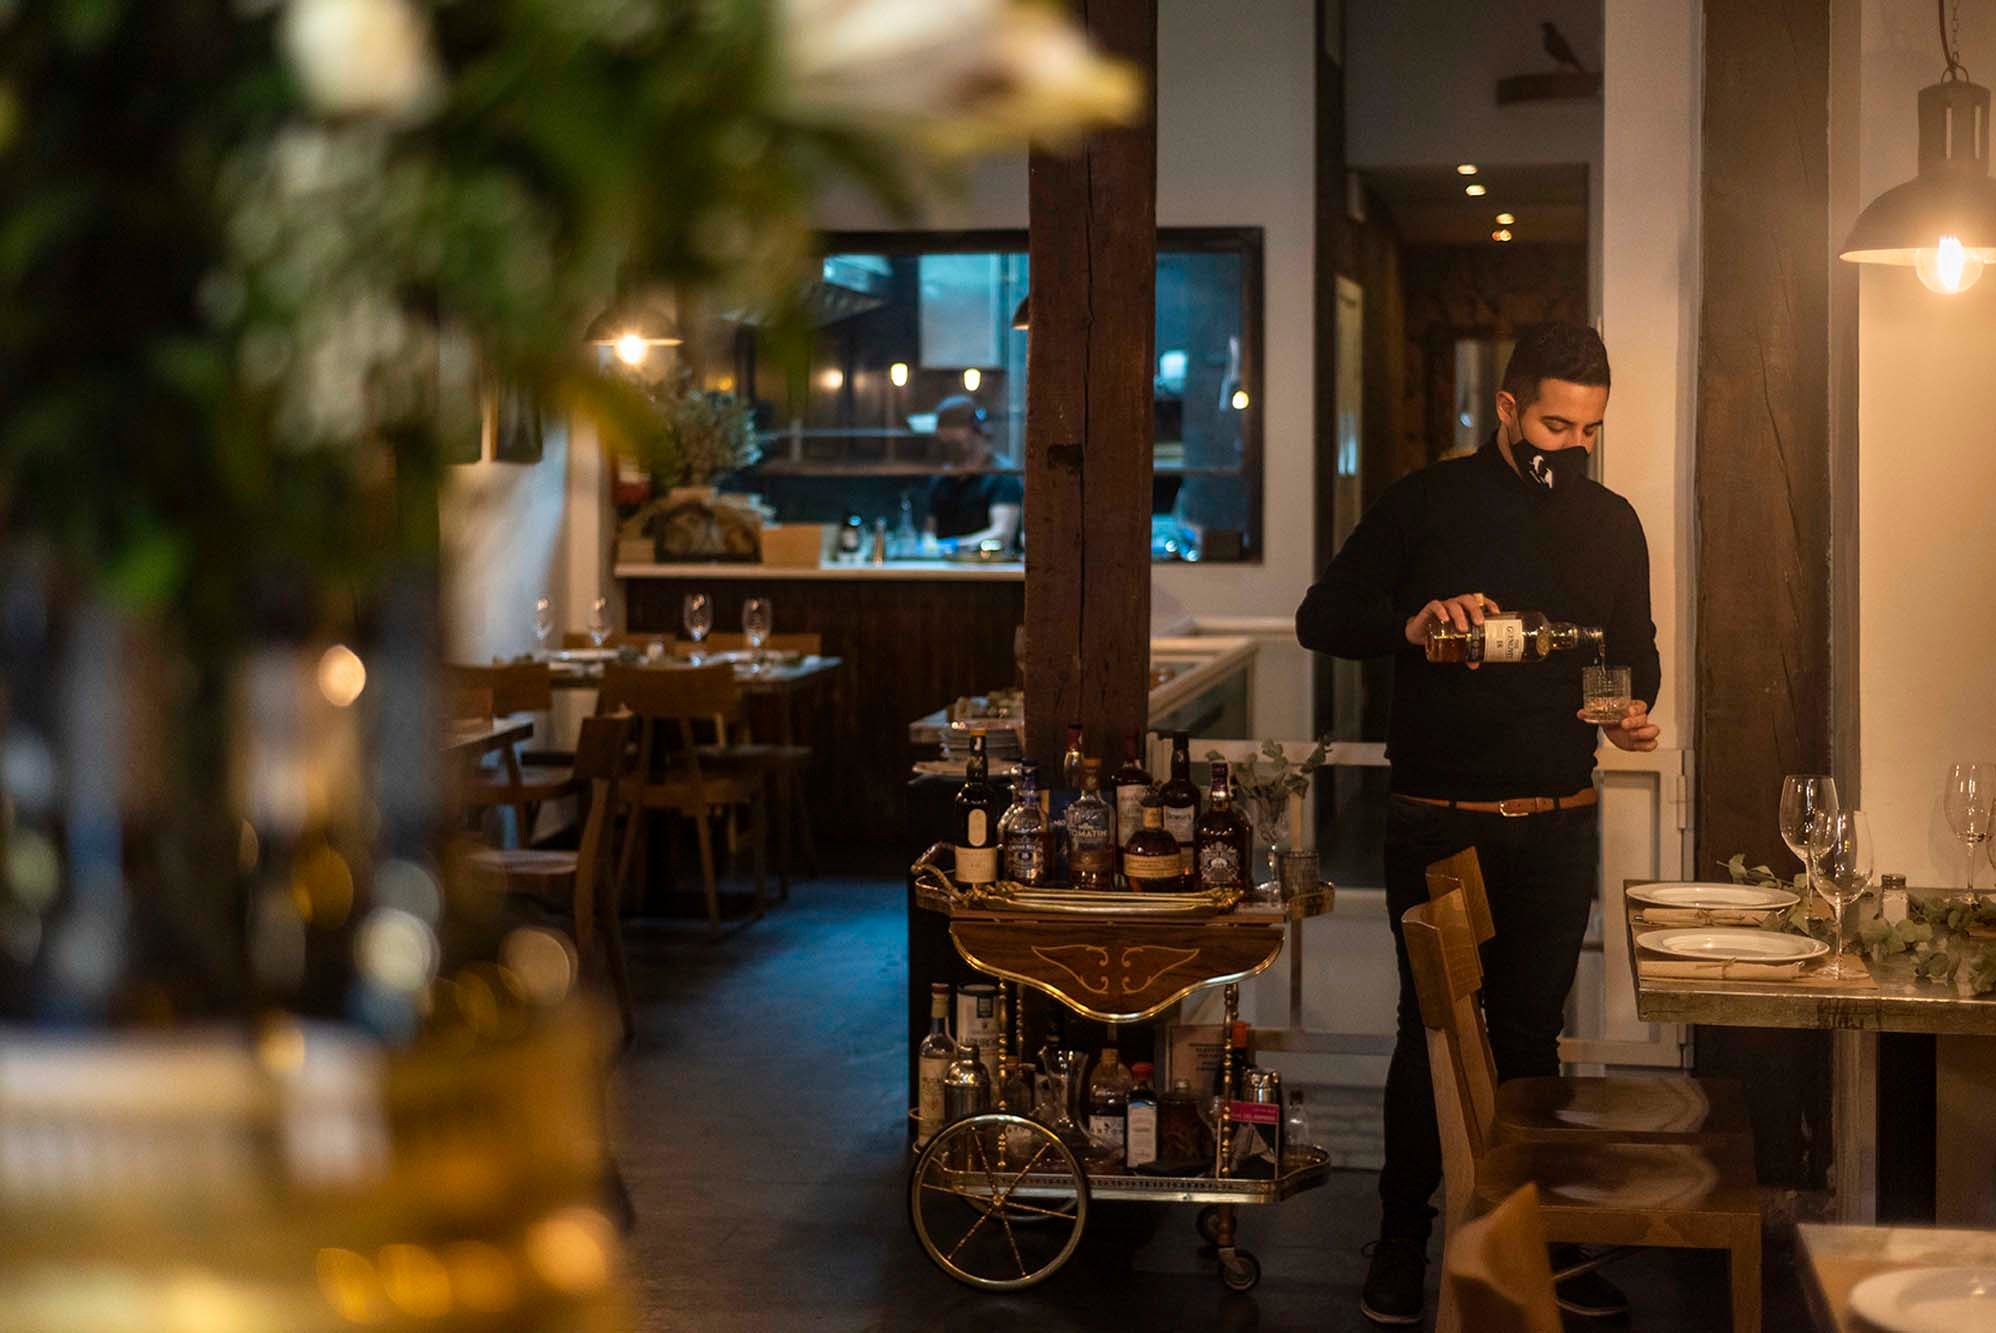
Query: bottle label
(1504,639)
(1140,1146)
(1219,865)
(1106,1130)
(1025,859)
(977,829)
(1129,812)
(1138,867)
(976,865)
(930,1101)
(1092,860)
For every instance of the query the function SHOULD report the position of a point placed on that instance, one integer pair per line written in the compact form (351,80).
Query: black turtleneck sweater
(1473,525)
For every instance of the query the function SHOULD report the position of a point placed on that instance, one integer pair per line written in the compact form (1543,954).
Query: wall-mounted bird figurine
(1560,50)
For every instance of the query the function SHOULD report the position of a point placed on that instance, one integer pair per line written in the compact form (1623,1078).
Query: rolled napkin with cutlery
(1715,969)
(1700,916)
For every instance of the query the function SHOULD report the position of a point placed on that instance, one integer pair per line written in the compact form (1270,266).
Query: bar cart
(998,1200)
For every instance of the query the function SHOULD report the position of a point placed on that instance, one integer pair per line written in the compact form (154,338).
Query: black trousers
(1541,873)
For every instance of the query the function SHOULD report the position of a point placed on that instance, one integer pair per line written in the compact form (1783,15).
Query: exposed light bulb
(833,379)
(1465,168)
(1501,234)
(898,372)
(1240,400)
(972,378)
(1506,219)
(631,349)
(1948,268)
(1475,191)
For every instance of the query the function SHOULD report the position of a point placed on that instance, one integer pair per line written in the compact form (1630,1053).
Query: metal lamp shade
(635,317)
(1953,194)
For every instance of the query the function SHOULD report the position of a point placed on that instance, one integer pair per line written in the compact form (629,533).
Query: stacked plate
(1928,1300)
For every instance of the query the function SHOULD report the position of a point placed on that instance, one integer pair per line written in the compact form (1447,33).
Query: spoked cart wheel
(975,1186)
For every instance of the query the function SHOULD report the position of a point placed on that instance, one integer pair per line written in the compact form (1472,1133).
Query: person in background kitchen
(1495,757)
(972,507)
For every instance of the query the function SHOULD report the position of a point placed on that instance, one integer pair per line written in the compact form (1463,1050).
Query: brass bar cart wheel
(974,1185)
(1239,1270)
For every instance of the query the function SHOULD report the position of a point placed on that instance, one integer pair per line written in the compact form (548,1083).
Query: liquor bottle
(1184,1142)
(1296,1125)
(1108,1107)
(1140,1120)
(1091,833)
(978,810)
(1221,839)
(1181,799)
(1150,862)
(1511,636)
(933,1059)
(1131,784)
(1024,830)
(1071,759)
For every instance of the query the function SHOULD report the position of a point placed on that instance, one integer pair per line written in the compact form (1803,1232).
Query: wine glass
(756,615)
(543,621)
(1803,797)
(1968,798)
(1840,856)
(599,621)
(696,613)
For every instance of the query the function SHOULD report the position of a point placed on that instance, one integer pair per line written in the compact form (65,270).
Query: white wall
(1926,483)
(1649,308)
(503,526)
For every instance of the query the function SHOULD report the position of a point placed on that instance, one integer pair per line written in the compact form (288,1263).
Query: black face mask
(1550,471)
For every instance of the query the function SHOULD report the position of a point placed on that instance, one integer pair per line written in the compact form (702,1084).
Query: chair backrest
(1497,1269)
(517,687)
(602,757)
(809,644)
(1441,951)
(601,751)
(1464,871)
(467,703)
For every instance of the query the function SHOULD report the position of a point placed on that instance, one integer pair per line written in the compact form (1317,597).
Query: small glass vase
(1271,835)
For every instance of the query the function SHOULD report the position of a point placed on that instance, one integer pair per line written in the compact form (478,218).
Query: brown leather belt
(1516,807)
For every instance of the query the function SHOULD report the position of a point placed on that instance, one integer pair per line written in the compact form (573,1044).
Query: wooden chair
(521,783)
(1497,1271)
(572,881)
(673,776)
(1600,1192)
(1661,1108)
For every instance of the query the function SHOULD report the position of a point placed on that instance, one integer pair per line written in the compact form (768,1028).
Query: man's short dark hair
(1554,350)
(962,410)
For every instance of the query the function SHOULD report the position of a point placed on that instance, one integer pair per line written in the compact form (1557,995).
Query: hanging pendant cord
(1950,45)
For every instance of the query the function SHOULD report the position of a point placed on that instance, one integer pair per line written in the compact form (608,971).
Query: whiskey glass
(1604,694)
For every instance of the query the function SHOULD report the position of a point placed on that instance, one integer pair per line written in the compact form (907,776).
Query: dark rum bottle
(1221,839)
(1150,861)
(978,810)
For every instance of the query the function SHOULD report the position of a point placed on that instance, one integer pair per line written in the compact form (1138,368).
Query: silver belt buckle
(1504,808)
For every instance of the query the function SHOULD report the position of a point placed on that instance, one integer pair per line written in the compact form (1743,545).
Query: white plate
(1745,945)
(1928,1300)
(1725,897)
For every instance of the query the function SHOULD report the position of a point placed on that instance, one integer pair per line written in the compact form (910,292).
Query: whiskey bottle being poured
(1512,636)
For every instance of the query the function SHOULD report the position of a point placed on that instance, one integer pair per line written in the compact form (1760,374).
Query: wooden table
(466,741)
(1836,1258)
(779,679)
(1965,1060)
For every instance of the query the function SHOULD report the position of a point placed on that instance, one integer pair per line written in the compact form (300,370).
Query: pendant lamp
(1942,223)
(634,324)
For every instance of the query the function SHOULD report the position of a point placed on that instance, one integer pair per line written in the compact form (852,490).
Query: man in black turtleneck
(1494,756)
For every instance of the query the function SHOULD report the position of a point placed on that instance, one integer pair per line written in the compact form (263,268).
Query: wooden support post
(1090,368)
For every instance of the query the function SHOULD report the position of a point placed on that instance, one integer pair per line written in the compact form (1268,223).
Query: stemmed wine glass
(1840,855)
(543,621)
(599,621)
(1968,798)
(1803,797)
(696,613)
(756,616)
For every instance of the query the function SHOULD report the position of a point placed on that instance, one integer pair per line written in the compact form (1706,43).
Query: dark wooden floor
(759,1130)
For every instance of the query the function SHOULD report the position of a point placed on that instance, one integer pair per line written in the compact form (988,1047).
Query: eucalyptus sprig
(1267,780)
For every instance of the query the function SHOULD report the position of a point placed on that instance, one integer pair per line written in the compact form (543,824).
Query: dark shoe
(1589,1294)
(1395,1285)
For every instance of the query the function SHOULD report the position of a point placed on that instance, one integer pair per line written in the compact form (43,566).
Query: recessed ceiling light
(1474,191)
(1465,168)
(1505,219)
(1501,234)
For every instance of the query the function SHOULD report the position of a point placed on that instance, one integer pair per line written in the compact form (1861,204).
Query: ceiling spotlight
(1474,191)
(1465,168)
(898,372)
(972,378)
(1505,219)
(1501,234)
